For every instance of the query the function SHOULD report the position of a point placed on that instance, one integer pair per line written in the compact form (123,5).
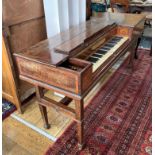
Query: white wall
(52,17)
(82,10)
(61,14)
(73,12)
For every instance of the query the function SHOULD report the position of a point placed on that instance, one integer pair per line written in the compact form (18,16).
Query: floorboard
(17,136)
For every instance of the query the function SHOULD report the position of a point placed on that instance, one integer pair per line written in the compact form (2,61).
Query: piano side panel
(113,32)
(139,28)
(87,79)
(124,31)
(140,25)
(48,74)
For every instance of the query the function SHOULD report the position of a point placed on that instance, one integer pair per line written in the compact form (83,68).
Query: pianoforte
(71,63)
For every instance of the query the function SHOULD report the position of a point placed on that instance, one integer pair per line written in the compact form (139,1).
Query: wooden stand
(77,114)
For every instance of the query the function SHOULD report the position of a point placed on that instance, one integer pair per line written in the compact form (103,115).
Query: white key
(108,54)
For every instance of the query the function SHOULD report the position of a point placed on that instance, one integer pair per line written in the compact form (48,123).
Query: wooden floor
(19,139)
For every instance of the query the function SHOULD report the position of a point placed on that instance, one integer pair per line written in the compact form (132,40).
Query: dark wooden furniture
(148,29)
(23,26)
(124,3)
(131,6)
(147,33)
(8,81)
(88,9)
(143,7)
(66,63)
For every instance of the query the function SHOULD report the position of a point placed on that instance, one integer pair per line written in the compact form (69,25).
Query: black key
(109,45)
(116,40)
(93,60)
(117,37)
(101,52)
(105,48)
(112,42)
(97,55)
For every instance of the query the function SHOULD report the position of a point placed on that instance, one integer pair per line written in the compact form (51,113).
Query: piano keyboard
(106,51)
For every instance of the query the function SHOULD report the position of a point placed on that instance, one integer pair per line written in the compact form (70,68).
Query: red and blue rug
(118,119)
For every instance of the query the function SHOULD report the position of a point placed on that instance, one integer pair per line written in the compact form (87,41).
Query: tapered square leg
(80,126)
(138,43)
(43,111)
(151,50)
(80,135)
(131,59)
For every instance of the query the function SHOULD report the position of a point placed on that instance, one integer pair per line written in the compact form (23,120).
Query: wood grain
(11,147)
(25,137)
(24,35)
(23,26)
(18,11)
(8,82)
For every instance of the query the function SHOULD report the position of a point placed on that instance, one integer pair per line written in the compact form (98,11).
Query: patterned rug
(118,119)
(7,108)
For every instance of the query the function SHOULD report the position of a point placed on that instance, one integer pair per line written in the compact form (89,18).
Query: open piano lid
(82,40)
(54,51)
